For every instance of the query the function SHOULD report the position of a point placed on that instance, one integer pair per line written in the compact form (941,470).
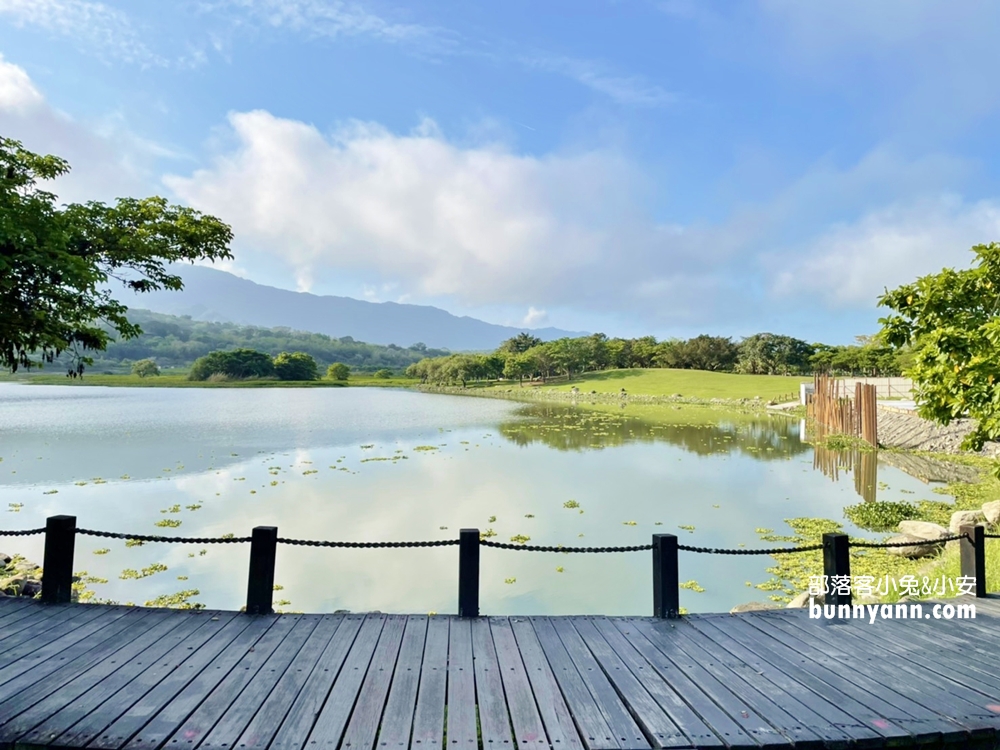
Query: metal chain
(178,539)
(537,548)
(886,545)
(366,545)
(487,543)
(773,551)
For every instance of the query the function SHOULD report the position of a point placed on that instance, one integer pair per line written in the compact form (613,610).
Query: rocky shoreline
(19,577)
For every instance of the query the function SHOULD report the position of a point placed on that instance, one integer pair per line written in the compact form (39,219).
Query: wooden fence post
(468,573)
(57,563)
(260,586)
(973,555)
(837,565)
(666,577)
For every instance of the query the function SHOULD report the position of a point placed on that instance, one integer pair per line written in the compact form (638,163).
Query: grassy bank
(694,383)
(179,380)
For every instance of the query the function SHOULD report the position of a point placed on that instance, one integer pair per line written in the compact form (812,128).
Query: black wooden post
(260,587)
(666,581)
(973,555)
(837,568)
(468,573)
(57,563)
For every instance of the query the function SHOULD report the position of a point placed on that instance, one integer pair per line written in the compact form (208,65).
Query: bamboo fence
(832,407)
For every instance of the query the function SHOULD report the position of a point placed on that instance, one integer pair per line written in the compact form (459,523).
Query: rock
(917,550)
(962,517)
(31,588)
(923,529)
(802,600)
(753,607)
(991,511)
(5,558)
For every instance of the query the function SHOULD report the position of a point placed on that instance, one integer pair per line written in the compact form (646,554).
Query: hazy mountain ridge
(213,295)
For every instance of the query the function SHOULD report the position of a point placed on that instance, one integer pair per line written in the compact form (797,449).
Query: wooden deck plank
(14,608)
(40,631)
(397,721)
(301,717)
(615,711)
(207,626)
(333,718)
(241,711)
(109,677)
(595,732)
(697,729)
(529,730)
(645,709)
(963,705)
(165,717)
(556,715)
(34,651)
(733,702)
(697,690)
(864,708)
(790,715)
(212,707)
(494,720)
(945,703)
(363,726)
(461,688)
(155,688)
(428,716)
(264,726)
(22,692)
(912,714)
(45,721)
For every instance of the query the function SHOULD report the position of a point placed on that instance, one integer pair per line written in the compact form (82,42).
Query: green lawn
(691,383)
(181,381)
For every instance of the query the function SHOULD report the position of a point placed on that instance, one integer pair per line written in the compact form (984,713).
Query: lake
(371,464)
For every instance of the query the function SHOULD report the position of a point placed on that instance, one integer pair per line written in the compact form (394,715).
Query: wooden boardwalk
(108,677)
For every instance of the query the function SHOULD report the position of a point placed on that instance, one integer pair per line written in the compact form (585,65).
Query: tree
(950,321)
(518,366)
(519,343)
(239,364)
(55,263)
(382,374)
(295,366)
(145,368)
(340,371)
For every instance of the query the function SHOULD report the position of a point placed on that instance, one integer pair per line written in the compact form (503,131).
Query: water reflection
(575,429)
(370,464)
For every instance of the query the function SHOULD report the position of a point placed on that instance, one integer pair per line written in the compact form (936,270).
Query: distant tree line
(525,356)
(172,341)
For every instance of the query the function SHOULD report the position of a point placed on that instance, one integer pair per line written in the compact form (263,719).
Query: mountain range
(213,295)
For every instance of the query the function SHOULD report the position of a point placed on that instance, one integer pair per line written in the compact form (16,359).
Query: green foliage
(880,515)
(176,342)
(145,368)
(382,374)
(295,366)
(56,262)
(772,354)
(239,364)
(950,321)
(338,371)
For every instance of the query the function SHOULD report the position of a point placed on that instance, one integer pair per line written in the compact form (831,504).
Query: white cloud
(629,90)
(534,318)
(97,26)
(480,225)
(106,158)
(851,264)
(17,93)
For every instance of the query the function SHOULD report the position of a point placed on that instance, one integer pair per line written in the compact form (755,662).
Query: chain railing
(60,534)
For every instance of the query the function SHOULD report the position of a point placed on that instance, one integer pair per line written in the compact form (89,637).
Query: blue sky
(668,167)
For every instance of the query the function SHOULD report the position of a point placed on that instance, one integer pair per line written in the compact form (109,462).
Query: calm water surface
(386,464)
